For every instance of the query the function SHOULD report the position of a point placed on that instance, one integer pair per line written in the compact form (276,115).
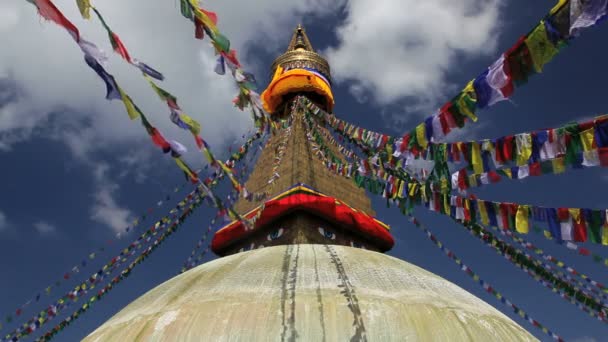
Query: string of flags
(205,22)
(177,115)
(96,253)
(497,83)
(48,10)
(585,302)
(598,288)
(123,274)
(590,304)
(82,288)
(484,284)
(95,58)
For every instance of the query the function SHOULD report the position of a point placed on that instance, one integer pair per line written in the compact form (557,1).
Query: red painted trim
(325,207)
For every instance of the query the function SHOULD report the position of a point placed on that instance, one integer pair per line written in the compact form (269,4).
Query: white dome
(309,293)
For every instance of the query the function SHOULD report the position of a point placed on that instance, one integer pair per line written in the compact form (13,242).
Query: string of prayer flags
(184,207)
(114,281)
(529,55)
(96,253)
(484,284)
(206,22)
(177,116)
(120,49)
(589,304)
(113,90)
(495,84)
(598,288)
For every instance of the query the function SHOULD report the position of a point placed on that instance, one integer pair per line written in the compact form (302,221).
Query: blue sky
(75,170)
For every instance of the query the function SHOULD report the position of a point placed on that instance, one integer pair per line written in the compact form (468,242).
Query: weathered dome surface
(309,293)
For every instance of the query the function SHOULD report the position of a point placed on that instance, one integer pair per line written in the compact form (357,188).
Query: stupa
(312,268)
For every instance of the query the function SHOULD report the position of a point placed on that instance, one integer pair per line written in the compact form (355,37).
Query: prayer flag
(541,48)
(84,6)
(113,92)
(49,12)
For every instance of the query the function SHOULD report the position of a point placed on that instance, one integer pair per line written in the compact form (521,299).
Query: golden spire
(301,55)
(299,40)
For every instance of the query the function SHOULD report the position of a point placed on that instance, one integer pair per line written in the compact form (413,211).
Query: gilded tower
(288,170)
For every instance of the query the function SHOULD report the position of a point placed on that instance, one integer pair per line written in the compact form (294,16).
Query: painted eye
(275,234)
(327,234)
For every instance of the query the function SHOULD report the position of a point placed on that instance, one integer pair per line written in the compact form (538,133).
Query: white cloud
(3,222)
(47,90)
(399,49)
(44,228)
(105,209)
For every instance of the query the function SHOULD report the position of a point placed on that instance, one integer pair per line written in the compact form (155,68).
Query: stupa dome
(309,293)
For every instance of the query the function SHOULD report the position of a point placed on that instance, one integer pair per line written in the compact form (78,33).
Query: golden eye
(275,234)
(327,234)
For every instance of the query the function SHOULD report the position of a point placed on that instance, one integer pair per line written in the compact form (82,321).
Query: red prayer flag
(445,127)
(231,57)
(462,179)
(211,15)
(49,12)
(493,176)
(507,148)
(603,152)
(159,140)
(404,143)
(119,47)
(580,230)
(199,29)
(535,169)
(563,214)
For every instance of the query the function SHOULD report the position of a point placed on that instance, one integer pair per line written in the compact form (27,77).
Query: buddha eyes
(275,234)
(327,234)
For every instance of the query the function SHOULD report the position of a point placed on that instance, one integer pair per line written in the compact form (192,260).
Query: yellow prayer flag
(421,136)
(481,207)
(129,105)
(468,94)
(587,137)
(521,219)
(476,157)
(85,7)
(446,203)
(184,167)
(508,173)
(195,127)
(605,234)
(524,148)
(541,48)
(558,165)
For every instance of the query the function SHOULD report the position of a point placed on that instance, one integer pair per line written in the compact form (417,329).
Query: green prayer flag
(222,43)
(594,226)
(186,9)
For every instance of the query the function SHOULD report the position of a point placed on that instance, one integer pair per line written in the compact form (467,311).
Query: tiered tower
(288,171)
(307,283)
